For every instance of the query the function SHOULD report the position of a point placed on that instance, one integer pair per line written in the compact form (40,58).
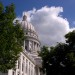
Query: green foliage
(70,37)
(60,60)
(11,38)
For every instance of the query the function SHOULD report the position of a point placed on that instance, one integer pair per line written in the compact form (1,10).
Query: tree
(70,39)
(11,38)
(60,60)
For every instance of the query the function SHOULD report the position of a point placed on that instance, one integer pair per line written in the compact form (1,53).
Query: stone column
(33,70)
(24,44)
(21,59)
(36,47)
(28,68)
(33,45)
(25,66)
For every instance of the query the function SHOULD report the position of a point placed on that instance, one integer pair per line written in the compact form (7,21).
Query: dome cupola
(24,18)
(31,43)
(27,26)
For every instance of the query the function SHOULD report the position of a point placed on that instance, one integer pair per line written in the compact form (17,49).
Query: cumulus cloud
(50,24)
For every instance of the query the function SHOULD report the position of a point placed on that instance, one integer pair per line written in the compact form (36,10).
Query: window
(23,58)
(23,63)
(29,68)
(13,73)
(22,66)
(18,64)
(26,47)
(26,65)
(18,73)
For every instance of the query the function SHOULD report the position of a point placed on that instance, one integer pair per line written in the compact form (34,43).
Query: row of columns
(31,46)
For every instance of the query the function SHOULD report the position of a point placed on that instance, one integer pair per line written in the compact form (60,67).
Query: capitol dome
(28,28)
(28,59)
(26,25)
(31,43)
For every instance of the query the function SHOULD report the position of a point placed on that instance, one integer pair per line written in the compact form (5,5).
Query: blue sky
(25,5)
(52,19)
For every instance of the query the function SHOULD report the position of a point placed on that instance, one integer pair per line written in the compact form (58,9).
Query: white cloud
(49,24)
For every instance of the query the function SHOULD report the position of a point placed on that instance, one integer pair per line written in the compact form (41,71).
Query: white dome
(26,25)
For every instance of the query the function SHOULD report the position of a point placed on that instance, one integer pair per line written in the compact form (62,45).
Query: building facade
(29,63)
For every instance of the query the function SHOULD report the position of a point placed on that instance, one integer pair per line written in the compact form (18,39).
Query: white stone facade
(25,66)
(28,63)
